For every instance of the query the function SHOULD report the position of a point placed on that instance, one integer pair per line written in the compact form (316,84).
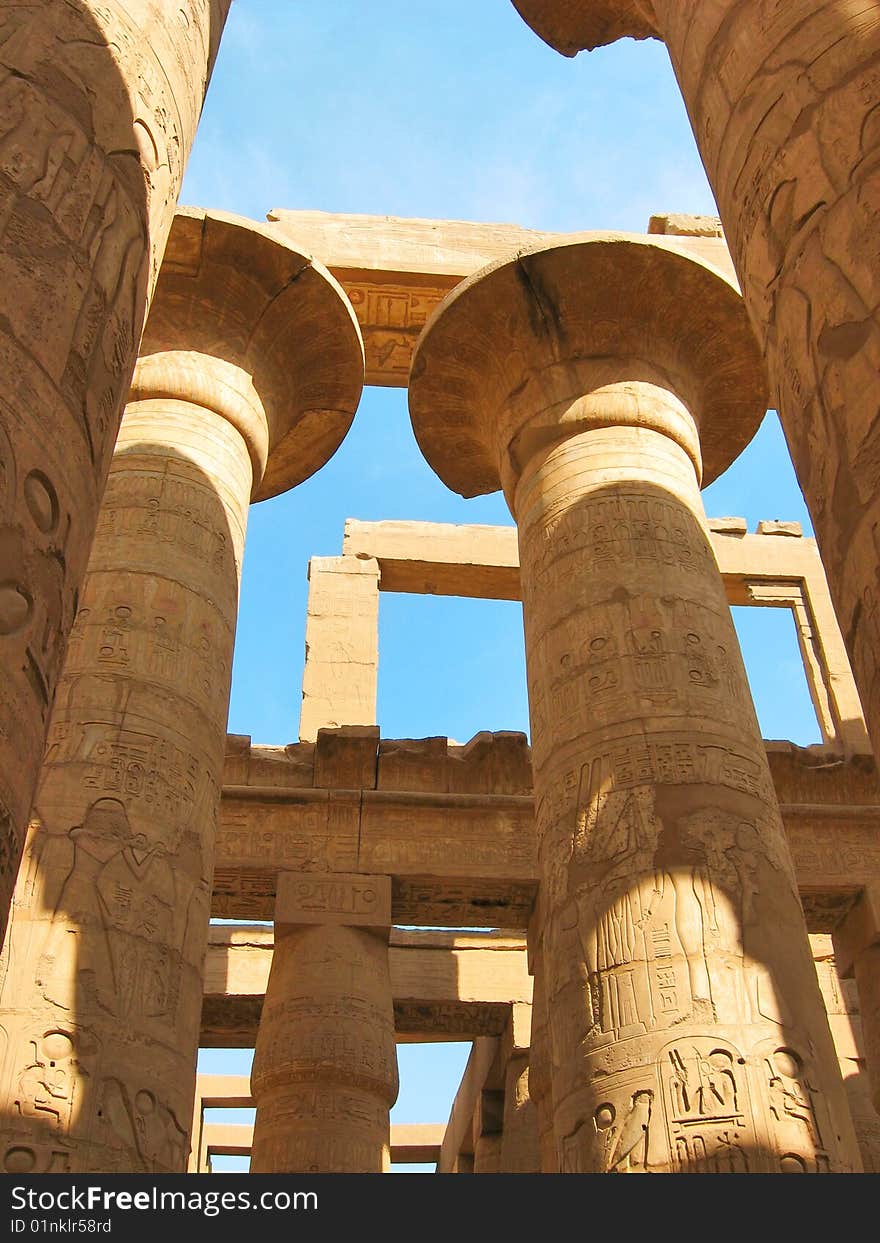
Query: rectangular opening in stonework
(775,669)
(450,666)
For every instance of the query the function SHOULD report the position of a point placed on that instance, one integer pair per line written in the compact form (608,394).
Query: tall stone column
(325,1069)
(857,951)
(784,104)
(540,1078)
(592,381)
(99,103)
(100,978)
(520,1135)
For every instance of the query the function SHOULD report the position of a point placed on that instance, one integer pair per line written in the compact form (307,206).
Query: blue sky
(452,110)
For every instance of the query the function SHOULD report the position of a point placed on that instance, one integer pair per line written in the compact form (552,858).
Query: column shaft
(102,988)
(325,1069)
(99,104)
(520,1136)
(784,104)
(687,1028)
(867,973)
(540,1078)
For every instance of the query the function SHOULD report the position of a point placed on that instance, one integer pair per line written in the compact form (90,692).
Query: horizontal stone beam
(439,558)
(774,567)
(444,558)
(445,985)
(397,270)
(416,1142)
(228,1139)
(224,1092)
(411,1143)
(467,860)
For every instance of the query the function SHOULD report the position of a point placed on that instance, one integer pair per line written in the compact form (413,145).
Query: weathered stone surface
(355,900)
(680,225)
(325,1068)
(783,104)
(99,105)
(482,561)
(444,984)
(464,860)
(774,527)
(500,1065)
(579,380)
(396,271)
(342,645)
(102,963)
(857,950)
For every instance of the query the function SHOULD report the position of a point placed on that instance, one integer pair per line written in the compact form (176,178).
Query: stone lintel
(397,270)
(758,569)
(446,986)
(678,224)
(345,757)
(411,1143)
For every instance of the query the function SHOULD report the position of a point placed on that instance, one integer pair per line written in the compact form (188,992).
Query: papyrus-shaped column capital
(247,325)
(607,329)
(250,376)
(592,380)
(572,26)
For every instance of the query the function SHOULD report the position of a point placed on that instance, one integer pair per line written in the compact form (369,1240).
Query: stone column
(857,951)
(488,1126)
(340,676)
(325,1069)
(520,1134)
(593,380)
(99,104)
(784,106)
(540,1079)
(100,978)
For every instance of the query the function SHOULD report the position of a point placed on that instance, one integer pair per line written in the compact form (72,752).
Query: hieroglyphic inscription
(391,318)
(708,1108)
(82,229)
(801,217)
(355,900)
(327,1025)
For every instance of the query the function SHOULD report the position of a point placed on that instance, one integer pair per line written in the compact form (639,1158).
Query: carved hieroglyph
(100,998)
(686,1027)
(98,109)
(325,1069)
(783,100)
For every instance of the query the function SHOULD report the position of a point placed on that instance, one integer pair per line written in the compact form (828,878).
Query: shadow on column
(101,972)
(91,147)
(675,933)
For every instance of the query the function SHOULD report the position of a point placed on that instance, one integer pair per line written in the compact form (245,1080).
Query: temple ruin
(660,931)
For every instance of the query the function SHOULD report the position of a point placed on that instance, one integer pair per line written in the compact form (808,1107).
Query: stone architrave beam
(460,856)
(444,985)
(397,270)
(775,567)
